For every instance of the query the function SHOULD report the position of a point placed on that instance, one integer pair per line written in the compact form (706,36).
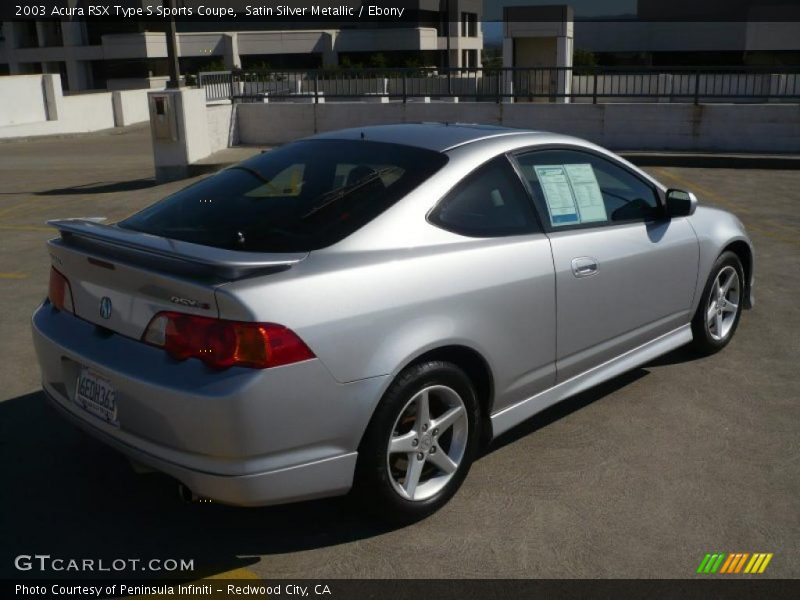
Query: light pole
(172,47)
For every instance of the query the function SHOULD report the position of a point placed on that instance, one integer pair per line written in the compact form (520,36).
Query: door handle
(584,266)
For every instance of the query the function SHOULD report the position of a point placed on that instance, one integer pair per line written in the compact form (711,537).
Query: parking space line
(695,186)
(34,202)
(742,210)
(11,209)
(13,275)
(25,228)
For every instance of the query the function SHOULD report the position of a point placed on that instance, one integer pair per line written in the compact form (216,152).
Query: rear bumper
(321,478)
(241,436)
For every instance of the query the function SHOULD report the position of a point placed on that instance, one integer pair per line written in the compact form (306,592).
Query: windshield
(300,197)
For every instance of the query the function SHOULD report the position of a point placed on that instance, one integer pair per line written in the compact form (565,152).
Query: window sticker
(589,199)
(558,194)
(572,194)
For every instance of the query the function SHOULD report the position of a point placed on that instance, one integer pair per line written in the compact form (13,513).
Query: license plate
(96,395)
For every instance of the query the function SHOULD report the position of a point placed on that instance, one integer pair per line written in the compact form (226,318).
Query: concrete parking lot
(639,478)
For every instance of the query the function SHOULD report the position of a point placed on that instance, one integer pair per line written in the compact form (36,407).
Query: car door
(625,274)
(504,272)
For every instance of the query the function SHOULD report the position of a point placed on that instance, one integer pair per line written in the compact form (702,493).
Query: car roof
(439,137)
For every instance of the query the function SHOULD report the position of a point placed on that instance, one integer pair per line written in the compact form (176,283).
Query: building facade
(133,54)
(660,34)
(691,33)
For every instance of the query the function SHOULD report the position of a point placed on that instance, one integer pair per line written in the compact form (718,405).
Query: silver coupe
(361,310)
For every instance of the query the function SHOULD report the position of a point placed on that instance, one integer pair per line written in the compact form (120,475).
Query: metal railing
(540,84)
(219,85)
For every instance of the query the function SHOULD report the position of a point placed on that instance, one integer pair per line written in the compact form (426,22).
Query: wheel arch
(475,366)
(742,249)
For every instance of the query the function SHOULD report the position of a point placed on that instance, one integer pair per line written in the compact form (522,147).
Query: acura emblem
(105,307)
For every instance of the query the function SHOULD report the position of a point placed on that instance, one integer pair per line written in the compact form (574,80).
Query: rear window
(300,197)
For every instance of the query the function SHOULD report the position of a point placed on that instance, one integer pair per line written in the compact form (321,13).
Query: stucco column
(53,95)
(232,58)
(10,33)
(178,143)
(508,52)
(564,59)
(79,77)
(506,80)
(330,57)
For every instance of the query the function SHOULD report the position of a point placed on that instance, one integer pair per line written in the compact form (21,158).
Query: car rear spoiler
(169,255)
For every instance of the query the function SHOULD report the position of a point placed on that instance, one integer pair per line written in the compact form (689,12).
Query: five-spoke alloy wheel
(723,303)
(420,442)
(427,443)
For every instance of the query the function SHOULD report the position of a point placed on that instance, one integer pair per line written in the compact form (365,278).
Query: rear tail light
(59,292)
(222,344)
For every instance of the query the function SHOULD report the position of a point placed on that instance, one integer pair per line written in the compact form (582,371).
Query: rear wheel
(420,443)
(720,307)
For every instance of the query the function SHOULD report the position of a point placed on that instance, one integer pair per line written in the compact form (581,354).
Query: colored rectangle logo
(734,563)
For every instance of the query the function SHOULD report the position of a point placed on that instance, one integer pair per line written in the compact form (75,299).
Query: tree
(377,61)
(583,58)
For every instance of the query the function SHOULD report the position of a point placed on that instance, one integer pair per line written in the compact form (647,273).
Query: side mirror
(680,203)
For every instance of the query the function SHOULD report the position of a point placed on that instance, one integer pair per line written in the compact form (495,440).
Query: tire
(396,484)
(717,317)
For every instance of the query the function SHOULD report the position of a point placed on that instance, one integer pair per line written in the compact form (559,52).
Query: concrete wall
(87,112)
(222,130)
(172,155)
(277,122)
(22,100)
(130,106)
(681,127)
(34,105)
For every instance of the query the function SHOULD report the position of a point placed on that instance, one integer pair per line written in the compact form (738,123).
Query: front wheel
(420,442)
(720,307)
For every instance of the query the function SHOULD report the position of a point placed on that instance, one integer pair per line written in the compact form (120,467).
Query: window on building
(469,24)
(469,59)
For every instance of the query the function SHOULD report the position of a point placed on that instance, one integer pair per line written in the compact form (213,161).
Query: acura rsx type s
(362,309)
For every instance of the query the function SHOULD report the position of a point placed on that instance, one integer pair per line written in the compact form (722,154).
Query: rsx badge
(189,302)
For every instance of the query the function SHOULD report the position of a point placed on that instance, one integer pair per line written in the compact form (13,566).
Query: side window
(490,202)
(575,188)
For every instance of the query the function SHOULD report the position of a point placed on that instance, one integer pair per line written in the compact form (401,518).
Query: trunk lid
(120,279)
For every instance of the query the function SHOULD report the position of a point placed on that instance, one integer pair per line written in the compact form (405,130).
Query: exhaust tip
(187,496)
(140,468)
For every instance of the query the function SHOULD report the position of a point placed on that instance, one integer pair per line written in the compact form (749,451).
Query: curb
(788,162)
(195,169)
(47,137)
(713,161)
